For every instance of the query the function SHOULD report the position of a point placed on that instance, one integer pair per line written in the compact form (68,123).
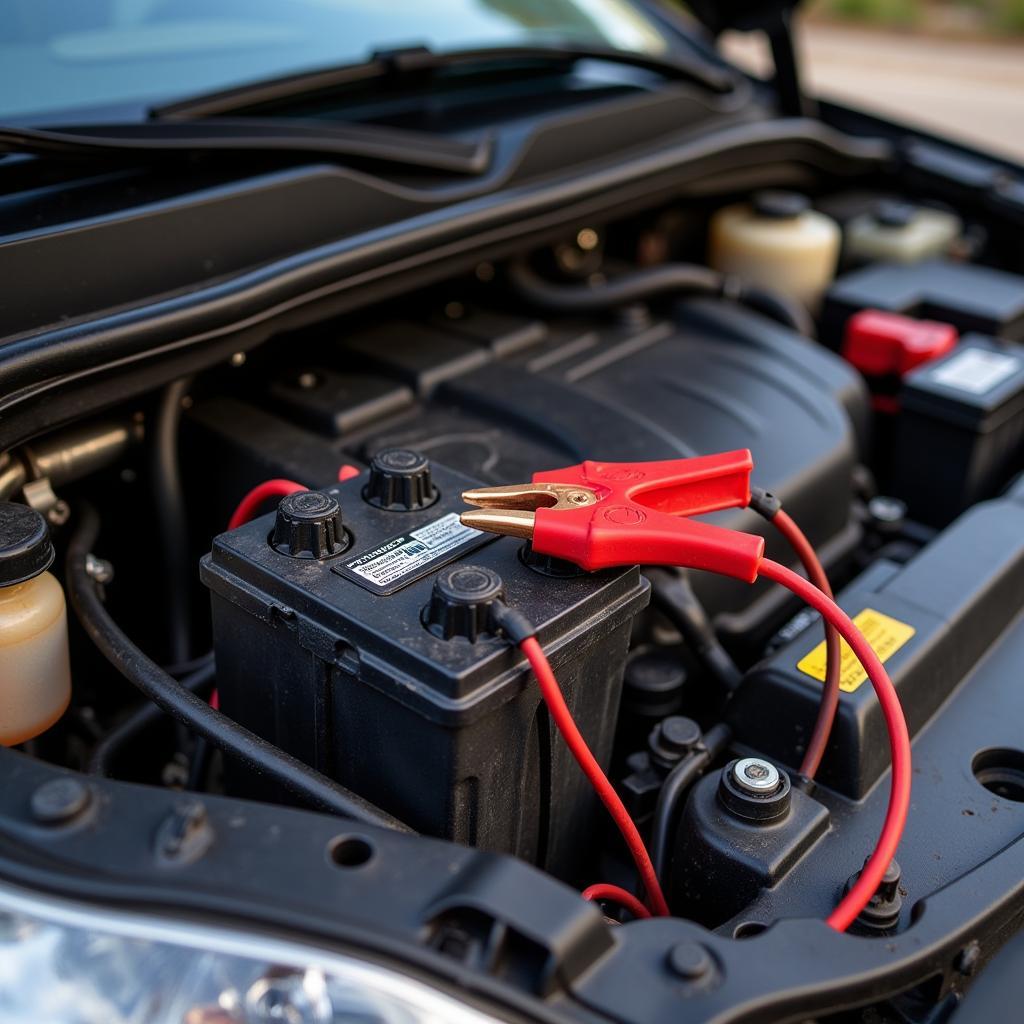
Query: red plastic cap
(880,343)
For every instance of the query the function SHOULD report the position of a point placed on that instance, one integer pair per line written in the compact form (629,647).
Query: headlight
(65,963)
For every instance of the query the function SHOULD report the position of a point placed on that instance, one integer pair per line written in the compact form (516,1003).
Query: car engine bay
(268,544)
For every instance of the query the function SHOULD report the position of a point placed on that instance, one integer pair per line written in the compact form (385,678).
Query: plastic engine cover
(499,396)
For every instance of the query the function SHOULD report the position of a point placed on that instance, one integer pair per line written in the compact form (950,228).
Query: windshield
(119,56)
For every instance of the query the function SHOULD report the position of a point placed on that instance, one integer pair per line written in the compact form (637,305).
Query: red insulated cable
(562,717)
(829,703)
(899,741)
(251,503)
(616,894)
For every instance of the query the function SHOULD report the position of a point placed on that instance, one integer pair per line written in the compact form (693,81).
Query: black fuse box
(960,435)
(374,662)
(971,297)
(930,621)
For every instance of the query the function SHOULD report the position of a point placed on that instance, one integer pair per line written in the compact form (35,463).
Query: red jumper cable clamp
(600,514)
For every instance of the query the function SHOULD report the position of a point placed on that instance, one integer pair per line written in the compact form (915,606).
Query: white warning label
(408,556)
(976,370)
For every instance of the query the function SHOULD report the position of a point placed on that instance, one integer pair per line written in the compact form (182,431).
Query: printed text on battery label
(407,554)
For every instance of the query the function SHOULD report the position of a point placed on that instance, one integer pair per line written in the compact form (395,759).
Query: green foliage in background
(1011,15)
(994,16)
(882,12)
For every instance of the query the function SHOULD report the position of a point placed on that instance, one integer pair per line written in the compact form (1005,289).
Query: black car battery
(960,434)
(350,629)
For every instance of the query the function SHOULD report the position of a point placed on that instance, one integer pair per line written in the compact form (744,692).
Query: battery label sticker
(976,370)
(406,558)
(886,636)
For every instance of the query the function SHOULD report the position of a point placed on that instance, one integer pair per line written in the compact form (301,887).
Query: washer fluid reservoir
(35,675)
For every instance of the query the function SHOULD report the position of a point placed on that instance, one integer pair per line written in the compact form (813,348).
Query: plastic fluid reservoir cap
(25,547)
(778,205)
(893,213)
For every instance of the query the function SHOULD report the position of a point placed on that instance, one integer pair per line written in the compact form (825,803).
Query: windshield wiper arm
(418,61)
(156,139)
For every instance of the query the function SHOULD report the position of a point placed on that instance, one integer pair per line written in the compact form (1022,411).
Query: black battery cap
(400,481)
(308,525)
(462,602)
(25,547)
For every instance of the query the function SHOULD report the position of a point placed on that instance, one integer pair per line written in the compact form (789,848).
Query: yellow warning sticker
(886,636)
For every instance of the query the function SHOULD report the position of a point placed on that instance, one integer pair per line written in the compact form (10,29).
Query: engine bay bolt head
(886,510)
(99,570)
(756,776)
(59,801)
(185,834)
(968,959)
(689,961)
(754,790)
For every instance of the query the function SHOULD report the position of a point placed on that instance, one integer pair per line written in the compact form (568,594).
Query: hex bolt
(60,801)
(185,834)
(99,570)
(968,959)
(886,510)
(689,961)
(755,775)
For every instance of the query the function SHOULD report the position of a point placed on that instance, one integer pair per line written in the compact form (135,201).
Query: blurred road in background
(970,90)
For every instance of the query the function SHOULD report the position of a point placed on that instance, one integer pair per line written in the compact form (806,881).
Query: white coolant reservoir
(777,242)
(35,675)
(896,232)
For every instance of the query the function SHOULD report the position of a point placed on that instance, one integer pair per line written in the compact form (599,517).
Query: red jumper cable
(768,506)
(600,514)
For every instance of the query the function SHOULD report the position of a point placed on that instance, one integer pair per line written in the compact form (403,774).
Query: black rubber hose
(622,290)
(672,279)
(672,595)
(171,520)
(261,757)
(676,783)
(144,718)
